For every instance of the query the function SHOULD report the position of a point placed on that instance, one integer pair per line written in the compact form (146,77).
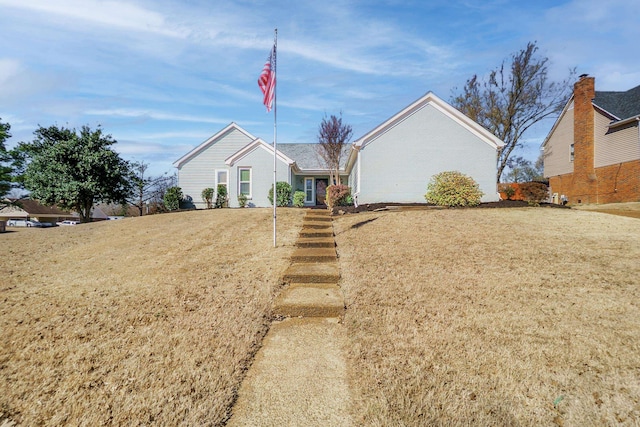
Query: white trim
(359,172)
(430,99)
(251,147)
(211,140)
(568,106)
(313,191)
(241,168)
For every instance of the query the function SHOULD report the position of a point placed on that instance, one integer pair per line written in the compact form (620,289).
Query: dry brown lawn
(630,209)
(141,321)
(492,317)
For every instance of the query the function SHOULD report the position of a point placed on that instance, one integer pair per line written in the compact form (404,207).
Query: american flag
(267,79)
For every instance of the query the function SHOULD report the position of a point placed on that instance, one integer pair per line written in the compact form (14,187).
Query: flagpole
(275,131)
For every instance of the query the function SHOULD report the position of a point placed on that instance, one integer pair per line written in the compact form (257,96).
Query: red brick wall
(608,184)
(583,136)
(612,184)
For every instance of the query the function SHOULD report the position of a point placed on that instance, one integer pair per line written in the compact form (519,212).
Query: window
(308,190)
(222,178)
(572,152)
(244,179)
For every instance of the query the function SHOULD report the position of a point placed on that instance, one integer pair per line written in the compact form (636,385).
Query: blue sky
(162,76)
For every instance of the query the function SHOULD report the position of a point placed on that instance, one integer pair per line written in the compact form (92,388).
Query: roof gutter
(625,121)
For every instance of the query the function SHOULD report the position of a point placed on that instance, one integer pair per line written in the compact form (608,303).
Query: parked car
(67,222)
(23,223)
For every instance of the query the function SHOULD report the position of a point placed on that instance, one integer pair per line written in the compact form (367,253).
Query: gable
(257,144)
(431,100)
(557,145)
(227,142)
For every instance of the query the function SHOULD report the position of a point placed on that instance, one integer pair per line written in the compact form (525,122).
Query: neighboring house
(32,210)
(392,163)
(592,153)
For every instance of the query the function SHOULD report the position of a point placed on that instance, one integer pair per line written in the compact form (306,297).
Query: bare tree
(332,137)
(512,100)
(148,190)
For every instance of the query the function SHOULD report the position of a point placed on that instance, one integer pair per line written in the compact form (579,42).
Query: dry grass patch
(492,317)
(148,320)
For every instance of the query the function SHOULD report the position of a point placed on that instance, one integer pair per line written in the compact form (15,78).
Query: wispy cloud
(157,115)
(116,14)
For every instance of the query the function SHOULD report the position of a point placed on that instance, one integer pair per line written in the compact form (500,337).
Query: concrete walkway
(299,376)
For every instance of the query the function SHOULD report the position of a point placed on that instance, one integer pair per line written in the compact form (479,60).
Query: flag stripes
(267,79)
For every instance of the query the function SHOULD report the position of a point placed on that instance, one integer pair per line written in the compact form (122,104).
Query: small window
(309,190)
(572,152)
(244,179)
(222,178)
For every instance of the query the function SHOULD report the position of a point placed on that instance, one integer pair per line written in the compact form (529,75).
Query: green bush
(207,196)
(453,189)
(338,195)
(298,199)
(221,198)
(172,198)
(283,194)
(534,192)
(242,200)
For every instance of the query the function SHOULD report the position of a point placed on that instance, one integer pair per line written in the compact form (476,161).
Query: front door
(321,191)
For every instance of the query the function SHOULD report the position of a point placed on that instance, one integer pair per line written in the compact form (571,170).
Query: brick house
(592,153)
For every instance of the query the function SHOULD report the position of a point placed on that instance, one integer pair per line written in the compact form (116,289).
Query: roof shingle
(621,104)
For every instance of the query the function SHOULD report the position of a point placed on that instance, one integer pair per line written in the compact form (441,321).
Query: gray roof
(306,155)
(621,104)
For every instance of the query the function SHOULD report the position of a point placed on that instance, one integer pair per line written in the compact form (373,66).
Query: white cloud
(156,115)
(118,14)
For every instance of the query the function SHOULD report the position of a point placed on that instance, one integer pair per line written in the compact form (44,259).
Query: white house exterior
(395,161)
(392,163)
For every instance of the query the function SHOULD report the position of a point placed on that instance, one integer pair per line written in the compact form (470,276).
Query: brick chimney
(584,178)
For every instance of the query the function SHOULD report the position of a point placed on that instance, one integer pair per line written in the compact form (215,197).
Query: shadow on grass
(361,223)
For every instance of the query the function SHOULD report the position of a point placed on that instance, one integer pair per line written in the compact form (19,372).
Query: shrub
(221,198)
(534,192)
(207,196)
(452,189)
(338,195)
(242,200)
(283,194)
(509,191)
(172,198)
(298,199)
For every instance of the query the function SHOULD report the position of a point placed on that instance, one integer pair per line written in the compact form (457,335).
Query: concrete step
(315,232)
(316,242)
(310,300)
(298,377)
(309,272)
(313,255)
(316,224)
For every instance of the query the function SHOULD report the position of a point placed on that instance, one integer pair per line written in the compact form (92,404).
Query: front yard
(492,317)
(140,321)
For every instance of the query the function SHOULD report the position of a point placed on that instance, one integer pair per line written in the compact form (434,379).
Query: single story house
(393,162)
(29,209)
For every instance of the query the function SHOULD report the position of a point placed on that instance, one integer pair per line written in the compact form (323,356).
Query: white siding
(398,165)
(354,181)
(620,146)
(198,173)
(261,163)
(557,151)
